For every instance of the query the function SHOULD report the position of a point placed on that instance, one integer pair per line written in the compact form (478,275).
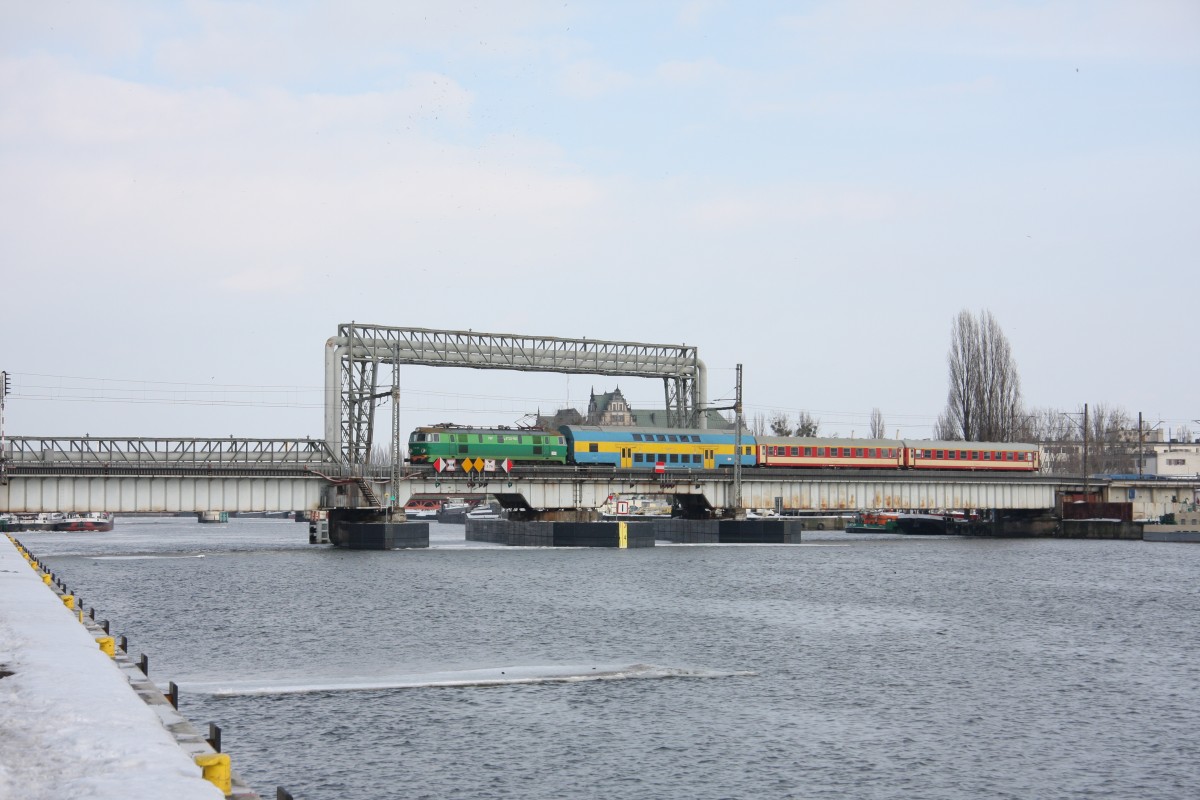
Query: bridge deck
(169,475)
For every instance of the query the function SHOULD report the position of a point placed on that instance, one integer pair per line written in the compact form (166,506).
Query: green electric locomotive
(519,445)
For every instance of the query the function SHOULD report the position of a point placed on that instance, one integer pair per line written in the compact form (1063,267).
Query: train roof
(470,429)
(639,429)
(833,441)
(934,444)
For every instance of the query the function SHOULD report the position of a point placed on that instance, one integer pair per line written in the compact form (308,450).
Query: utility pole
(395,435)
(1141,443)
(4,389)
(738,512)
(1085,452)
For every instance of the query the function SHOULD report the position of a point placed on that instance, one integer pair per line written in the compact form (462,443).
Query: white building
(1173,459)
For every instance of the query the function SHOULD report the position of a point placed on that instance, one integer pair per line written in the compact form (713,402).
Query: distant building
(564,416)
(609,409)
(613,410)
(1174,459)
(658,419)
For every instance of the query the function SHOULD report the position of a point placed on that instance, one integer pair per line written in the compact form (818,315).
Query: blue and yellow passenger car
(655,448)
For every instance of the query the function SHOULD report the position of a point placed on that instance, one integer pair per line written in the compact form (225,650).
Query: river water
(850,666)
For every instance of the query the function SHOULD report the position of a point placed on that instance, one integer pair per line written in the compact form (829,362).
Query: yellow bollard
(216,770)
(46,579)
(108,645)
(69,601)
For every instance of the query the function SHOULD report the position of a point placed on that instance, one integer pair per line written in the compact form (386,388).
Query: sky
(193,195)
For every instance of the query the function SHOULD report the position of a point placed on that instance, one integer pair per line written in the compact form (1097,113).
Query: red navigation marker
(507,465)
(439,465)
(660,466)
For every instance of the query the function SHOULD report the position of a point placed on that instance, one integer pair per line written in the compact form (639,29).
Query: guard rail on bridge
(57,451)
(138,474)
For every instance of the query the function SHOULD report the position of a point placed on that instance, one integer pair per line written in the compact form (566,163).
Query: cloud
(703,73)
(1060,29)
(790,205)
(266,281)
(262,189)
(586,80)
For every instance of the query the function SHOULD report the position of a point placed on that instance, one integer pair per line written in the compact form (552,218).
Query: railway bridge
(196,475)
(137,474)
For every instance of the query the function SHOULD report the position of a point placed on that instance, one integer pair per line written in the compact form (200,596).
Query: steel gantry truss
(352,360)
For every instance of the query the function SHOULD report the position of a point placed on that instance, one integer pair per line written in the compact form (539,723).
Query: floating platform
(688,531)
(621,535)
(780,530)
(1171,533)
(384,535)
(628,534)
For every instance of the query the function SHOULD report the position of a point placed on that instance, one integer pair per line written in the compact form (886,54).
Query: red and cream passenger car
(991,456)
(781,451)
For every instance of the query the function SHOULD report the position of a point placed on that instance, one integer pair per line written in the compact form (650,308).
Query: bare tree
(877,425)
(984,400)
(806,425)
(1113,435)
(780,424)
(757,424)
(1111,432)
(380,455)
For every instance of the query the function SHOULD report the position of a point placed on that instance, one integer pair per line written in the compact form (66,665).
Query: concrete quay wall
(80,718)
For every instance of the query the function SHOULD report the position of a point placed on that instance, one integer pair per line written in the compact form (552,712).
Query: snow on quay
(71,723)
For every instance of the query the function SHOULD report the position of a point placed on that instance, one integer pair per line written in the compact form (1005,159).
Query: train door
(708,458)
(626,457)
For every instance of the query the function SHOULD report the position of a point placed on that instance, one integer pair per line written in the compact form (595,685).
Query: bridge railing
(140,451)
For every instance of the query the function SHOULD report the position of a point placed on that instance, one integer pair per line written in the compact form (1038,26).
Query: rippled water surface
(846,667)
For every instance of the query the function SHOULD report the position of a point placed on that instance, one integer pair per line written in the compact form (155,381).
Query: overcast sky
(193,195)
